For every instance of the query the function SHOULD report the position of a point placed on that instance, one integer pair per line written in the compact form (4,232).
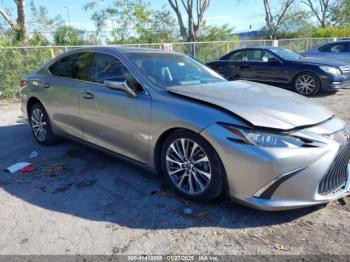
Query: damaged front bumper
(283,178)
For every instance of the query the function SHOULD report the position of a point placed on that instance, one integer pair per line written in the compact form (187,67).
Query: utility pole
(68,15)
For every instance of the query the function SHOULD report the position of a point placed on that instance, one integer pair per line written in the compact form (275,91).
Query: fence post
(52,53)
(275,43)
(193,49)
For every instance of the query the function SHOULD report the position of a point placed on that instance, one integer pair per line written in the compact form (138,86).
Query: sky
(239,14)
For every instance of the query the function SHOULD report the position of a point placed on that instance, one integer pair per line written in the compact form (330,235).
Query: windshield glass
(286,54)
(165,70)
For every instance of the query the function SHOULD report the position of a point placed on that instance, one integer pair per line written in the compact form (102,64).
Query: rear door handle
(88,95)
(38,83)
(45,85)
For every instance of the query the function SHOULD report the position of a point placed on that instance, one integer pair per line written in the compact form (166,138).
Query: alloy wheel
(39,124)
(188,166)
(305,84)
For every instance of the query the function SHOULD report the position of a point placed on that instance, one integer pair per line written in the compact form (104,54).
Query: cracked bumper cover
(293,174)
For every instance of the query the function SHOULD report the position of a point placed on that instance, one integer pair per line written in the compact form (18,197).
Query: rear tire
(307,84)
(41,126)
(192,167)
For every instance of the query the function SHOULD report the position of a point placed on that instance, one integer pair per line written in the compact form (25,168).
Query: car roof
(338,41)
(120,49)
(330,43)
(256,47)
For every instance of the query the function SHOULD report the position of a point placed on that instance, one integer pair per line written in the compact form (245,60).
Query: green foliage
(40,20)
(216,33)
(38,39)
(331,31)
(341,13)
(16,64)
(134,21)
(68,35)
(159,28)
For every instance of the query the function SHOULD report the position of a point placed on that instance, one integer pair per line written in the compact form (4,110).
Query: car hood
(320,61)
(261,105)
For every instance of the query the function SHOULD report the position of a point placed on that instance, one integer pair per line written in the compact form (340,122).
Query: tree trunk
(19,26)
(21,20)
(195,10)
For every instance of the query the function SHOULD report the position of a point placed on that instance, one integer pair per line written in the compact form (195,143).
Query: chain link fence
(18,62)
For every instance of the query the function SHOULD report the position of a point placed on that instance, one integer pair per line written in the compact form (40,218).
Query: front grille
(345,69)
(337,175)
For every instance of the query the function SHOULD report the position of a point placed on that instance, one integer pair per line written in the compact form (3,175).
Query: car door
(63,95)
(263,66)
(110,118)
(229,65)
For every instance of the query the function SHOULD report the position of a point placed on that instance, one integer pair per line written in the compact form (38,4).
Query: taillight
(23,83)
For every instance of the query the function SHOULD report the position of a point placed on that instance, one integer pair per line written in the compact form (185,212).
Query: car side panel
(174,112)
(229,69)
(116,122)
(61,101)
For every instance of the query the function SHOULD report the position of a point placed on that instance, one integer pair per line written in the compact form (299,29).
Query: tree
(340,13)
(274,20)
(19,26)
(322,10)
(133,21)
(194,10)
(126,16)
(160,28)
(296,22)
(40,23)
(217,33)
(68,35)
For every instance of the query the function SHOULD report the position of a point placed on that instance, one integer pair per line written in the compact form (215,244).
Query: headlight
(331,70)
(264,139)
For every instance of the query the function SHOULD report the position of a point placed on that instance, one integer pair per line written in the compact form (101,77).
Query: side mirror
(273,61)
(123,86)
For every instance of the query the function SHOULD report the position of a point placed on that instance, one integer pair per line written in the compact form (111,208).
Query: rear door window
(255,55)
(237,56)
(64,67)
(76,66)
(335,48)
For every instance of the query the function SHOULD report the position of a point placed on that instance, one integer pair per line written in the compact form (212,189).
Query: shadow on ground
(82,182)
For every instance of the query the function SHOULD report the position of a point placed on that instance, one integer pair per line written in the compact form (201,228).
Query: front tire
(192,167)
(307,84)
(40,124)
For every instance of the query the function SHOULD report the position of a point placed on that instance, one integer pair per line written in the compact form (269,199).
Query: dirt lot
(81,201)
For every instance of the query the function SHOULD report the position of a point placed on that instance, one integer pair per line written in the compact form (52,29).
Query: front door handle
(88,95)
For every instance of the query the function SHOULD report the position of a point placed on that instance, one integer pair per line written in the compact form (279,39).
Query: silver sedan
(261,146)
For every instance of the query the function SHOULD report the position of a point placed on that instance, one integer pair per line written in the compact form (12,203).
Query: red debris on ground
(28,169)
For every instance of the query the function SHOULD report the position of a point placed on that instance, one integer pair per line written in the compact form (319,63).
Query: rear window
(77,66)
(64,67)
(335,47)
(235,56)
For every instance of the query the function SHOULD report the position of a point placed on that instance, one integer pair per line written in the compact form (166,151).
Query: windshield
(167,69)
(286,54)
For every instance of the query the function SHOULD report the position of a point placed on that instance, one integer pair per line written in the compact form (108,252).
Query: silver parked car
(264,147)
(334,51)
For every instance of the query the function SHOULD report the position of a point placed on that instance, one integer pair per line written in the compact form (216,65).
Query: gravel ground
(80,201)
